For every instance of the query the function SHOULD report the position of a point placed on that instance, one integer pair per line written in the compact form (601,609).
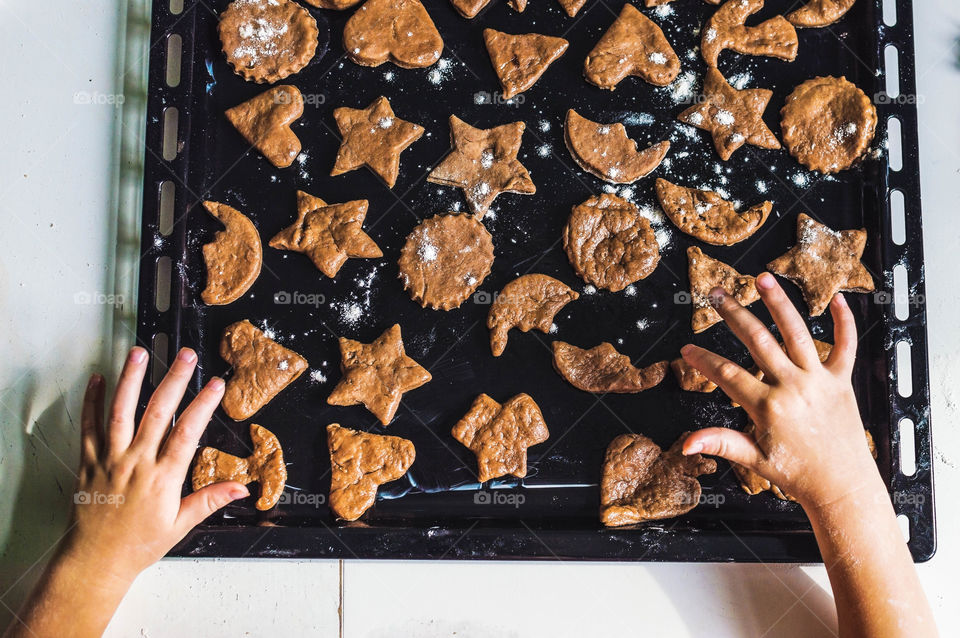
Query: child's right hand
(809,437)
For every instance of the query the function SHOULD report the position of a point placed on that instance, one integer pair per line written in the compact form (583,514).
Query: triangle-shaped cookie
(520,60)
(265,122)
(707,273)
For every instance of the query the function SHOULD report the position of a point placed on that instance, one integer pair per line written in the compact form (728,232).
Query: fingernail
(694,448)
(766,281)
(187,355)
(841,300)
(239,492)
(216,383)
(687,349)
(716,296)
(137,355)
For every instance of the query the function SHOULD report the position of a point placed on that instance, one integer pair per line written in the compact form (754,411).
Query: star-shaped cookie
(377,374)
(484,164)
(373,137)
(500,434)
(824,262)
(733,117)
(328,234)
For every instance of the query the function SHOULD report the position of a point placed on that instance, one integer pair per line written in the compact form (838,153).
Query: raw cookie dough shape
(520,60)
(527,302)
(604,150)
(373,137)
(633,45)
(707,216)
(359,464)
(828,124)
(264,121)
(725,29)
(572,7)
(500,434)
(824,262)
(470,8)
(398,31)
(265,466)
(483,163)
(732,117)
(338,5)
(691,379)
(609,243)
(233,258)
(640,482)
(377,374)
(707,273)
(445,259)
(328,234)
(819,13)
(267,40)
(261,369)
(603,370)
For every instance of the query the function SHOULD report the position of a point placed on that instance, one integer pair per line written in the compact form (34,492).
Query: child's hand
(809,436)
(129,512)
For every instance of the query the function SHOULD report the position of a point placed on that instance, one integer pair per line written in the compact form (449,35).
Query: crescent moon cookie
(445,259)
(641,482)
(262,368)
(707,216)
(828,124)
(520,60)
(707,273)
(527,302)
(267,40)
(820,13)
(732,117)
(609,243)
(633,45)
(264,121)
(603,370)
(264,466)
(373,137)
(726,29)
(604,150)
(233,258)
(398,31)
(824,262)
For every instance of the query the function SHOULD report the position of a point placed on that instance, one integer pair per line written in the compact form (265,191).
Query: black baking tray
(438,510)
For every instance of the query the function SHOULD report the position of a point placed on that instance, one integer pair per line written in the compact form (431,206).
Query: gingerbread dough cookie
(633,45)
(377,374)
(500,434)
(707,216)
(470,8)
(261,369)
(602,369)
(265,466)
(604,150)
(824,262)
(732,117)
(819,13)
(828,124)
(267,40)
(609,243)
(328,234)
(520,60)
(338,5)
(264,121)
(640,482)
(233,258)
(707,273)
(359,464)
(726,29)
(398,31)
(572,7)
(445,259)
(527,302)
(691,379)
(483,163)
(373,137)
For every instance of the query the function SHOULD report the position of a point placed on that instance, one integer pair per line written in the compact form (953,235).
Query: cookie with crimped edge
(267,40)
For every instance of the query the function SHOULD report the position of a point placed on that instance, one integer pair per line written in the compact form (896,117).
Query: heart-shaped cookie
(398,31)
(633,45)
(265,122)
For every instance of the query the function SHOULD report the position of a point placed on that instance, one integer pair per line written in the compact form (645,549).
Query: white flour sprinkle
(657,58)
(283,365)
(682,88)
(663,11)
(317,376)
(589,289)
(544,126)
(544,150)
(642,324)
(638,119)
(486,158)
(724,117)
(630,291)
(800,180)
(427,252)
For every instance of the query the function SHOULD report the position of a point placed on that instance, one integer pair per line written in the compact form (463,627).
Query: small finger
(182,442)
(91,421)
(123,409)
(728,444)
(763,347)
(844,351)
(164,403)
(196,507)
(793,330)
(740,385)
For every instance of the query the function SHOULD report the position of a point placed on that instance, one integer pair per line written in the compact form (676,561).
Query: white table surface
(58,204)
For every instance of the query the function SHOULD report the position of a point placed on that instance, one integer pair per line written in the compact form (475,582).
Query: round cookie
(609,243)
(828,124)
(267,40)
(445,259)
